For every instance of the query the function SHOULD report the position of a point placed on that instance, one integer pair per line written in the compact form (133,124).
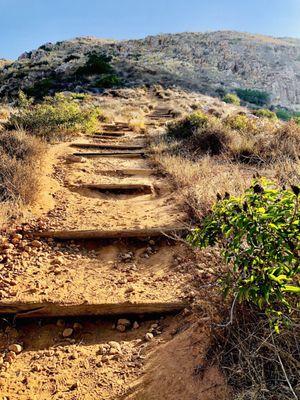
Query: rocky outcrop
(211,62)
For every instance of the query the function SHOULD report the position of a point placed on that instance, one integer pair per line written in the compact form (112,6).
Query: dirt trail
(91,353)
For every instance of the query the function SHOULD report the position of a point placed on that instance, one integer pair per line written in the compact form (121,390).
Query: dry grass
(259,364)
(241,138)
(4,113)
(200,181)
(20,158)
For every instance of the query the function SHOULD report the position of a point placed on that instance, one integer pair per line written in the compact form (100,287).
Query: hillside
(212,63)
(4,62)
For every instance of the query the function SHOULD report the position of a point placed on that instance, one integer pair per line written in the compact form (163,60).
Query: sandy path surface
(101,357)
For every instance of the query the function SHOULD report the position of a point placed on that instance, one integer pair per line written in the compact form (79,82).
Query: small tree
(259,234)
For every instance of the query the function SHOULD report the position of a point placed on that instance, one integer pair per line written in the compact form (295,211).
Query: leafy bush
(96,64)
(241,123)
(287,115)
(265,113)
(253,96)
(108,81)
(259,236)
(283,114)
(41,88)
(186,127)
(55,116)
(297,120)
(231,98)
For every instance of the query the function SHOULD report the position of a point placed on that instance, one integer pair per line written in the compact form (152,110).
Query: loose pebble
(67,332)
(149,336)
(15,348)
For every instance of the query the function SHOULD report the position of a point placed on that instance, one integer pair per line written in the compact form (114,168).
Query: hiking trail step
(110,134)
(133,171)
(112,234)
(115,154)
(119,187)
(44,309)
(111,146)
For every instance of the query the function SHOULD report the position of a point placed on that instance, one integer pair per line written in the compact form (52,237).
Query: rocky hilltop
(212,63)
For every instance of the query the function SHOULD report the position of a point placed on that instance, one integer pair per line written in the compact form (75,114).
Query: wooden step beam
(105,138)
(112,234)
(110,134)
(46,309)
(108,146)
(119,187)
(115,154)
(134,171)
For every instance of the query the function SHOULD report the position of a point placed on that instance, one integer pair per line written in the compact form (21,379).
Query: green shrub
(241,123)
(297,120)
(265,113)
(253,96)
(108,81)
(286,115)
(231,98)
(186,127)
(55,116)
(259,236)
(96,64)
(41,88)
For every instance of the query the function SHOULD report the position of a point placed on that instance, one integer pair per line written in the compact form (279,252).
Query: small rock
(10,356)
(16,348)
(149,336)
(130,289)
(74,159)
(135,325)
(113,351)
(67,332)
(121,328)
(115,345)
(36,243)
(74,386)
(124,321)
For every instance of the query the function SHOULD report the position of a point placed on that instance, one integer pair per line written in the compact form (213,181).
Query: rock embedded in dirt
(16,348)
(10,356)
(135,325)
(121,328)
(149,336)
(67,332)
(115,345)
(130,289)
(124,321)
(74,159)
(36,244)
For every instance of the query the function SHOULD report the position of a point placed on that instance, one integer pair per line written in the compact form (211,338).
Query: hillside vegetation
(214,63)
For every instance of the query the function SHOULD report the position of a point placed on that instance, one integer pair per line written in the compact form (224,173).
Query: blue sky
(26,24)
